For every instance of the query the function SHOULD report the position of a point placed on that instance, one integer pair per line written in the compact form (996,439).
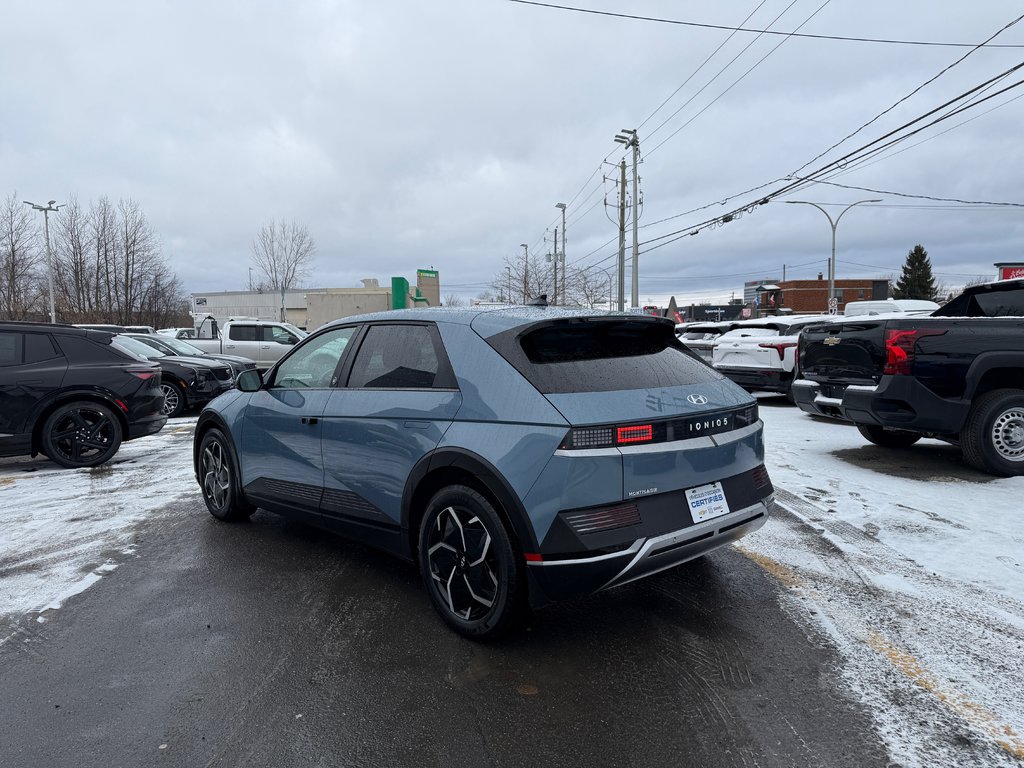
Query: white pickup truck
(263,341)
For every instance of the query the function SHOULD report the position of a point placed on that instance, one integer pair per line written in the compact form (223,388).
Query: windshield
(181,347)
(136,348)
(296,330)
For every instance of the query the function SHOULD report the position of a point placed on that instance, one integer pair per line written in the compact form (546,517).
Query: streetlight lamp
(834,224)
(50,206)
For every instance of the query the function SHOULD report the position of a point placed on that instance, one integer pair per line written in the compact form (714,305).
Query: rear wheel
(219,481)
(174,399)
(888,438)
(993,437)
(81,434)
(468,564)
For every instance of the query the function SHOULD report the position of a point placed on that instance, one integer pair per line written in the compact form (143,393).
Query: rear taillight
(780,347)
(608,437)
(643,433)
(144,375)
(899,350)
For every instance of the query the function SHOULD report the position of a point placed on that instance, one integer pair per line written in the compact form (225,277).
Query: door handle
(310,420)
(417,425)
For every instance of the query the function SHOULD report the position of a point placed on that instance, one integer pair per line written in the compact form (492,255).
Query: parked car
(171,346)
(889,306)
(701,337)
(71,395)
(264,341)
(517,456)
(957,375)
(760,355)
(139,329)
(178,333)
(187,382)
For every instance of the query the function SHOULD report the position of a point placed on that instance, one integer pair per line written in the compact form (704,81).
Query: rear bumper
(767,380)
(897,402)
(146,426)
(576,562)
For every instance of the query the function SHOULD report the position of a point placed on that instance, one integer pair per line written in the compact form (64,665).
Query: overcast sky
(408,134)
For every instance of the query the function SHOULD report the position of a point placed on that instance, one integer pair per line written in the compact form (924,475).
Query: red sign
(1014,270)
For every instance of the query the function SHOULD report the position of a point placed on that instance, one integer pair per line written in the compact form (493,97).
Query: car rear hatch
(641,409)
(753,351)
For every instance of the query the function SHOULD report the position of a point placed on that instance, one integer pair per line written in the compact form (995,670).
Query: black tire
(470,568)
(992,440)
(174,399)
(81,434)
(887,438)
(219,481)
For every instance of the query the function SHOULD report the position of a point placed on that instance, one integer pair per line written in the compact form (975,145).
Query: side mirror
(250,380)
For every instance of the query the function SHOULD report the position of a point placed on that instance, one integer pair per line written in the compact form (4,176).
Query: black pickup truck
(956,375)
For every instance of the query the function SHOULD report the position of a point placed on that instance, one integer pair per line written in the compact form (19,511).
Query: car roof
(488,321)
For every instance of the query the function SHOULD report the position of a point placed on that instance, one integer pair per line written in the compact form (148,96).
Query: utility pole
(628,138)
(46,209)
(555,265)
(622,237)
(526,270)
(562,254)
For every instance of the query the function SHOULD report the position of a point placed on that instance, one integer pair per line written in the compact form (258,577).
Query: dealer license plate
(707,502)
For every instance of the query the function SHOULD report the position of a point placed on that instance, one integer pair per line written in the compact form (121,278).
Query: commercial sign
(1009,271)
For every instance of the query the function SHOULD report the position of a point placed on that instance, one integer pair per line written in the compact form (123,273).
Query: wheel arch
(211,420)
(457,466)
(994,370)
(69,397)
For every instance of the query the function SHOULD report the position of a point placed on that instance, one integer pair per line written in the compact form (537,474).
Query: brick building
(811,296)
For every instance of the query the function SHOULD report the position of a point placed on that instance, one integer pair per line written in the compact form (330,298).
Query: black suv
(68,393)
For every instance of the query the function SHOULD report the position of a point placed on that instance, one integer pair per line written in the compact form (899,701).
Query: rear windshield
(595,355)
(985,303)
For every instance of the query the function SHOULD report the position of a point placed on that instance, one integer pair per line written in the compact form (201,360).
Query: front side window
(396,357)
(279,335)
(313,365)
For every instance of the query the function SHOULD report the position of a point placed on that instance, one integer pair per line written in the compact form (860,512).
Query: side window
(396,357)
(39,347)
(313,365)
(10,349)
(278,335)
(244,332)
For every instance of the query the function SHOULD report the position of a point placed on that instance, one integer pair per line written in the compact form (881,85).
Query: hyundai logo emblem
(697,399)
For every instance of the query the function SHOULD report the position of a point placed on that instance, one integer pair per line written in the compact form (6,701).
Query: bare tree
(19,260)
(283,252)
(454,300)
(538,280)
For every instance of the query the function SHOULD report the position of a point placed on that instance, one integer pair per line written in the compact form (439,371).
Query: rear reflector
(533,557)
(144,375)
(604,519)
(639,434)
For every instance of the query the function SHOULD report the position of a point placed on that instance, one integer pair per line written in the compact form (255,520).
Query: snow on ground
(63,529)
(909,562)
(913,564)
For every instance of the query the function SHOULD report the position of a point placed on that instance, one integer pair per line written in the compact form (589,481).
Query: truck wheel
(993,437)
(887,438)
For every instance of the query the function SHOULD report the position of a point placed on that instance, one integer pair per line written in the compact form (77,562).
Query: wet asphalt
(270,643)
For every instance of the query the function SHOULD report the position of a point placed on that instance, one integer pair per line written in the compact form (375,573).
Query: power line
(922,197)
(677,22)
(909,95)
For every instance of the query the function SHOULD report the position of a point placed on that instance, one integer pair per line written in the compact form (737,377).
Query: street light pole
(526,271)
(50,206)
(562,255)
(833,224)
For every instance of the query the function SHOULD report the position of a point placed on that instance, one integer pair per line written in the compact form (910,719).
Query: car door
(31,368)
(281,461)
(399,399)
(242,339)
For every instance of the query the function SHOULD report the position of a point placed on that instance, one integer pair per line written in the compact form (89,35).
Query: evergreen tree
(916,282)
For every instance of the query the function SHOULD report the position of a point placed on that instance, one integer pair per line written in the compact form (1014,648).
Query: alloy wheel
(463,563)
(83,434)
(171,399)
(216,474)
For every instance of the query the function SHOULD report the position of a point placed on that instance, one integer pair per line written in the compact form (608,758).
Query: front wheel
(81,434)
(219,481)
(468,564)
(993,437)
(887,438)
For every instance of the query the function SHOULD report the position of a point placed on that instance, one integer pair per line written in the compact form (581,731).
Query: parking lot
(876,618)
